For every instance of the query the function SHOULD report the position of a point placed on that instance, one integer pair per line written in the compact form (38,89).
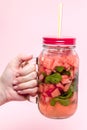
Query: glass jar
(58,66)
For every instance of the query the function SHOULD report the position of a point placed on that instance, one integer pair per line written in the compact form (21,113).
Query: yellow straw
(60,6)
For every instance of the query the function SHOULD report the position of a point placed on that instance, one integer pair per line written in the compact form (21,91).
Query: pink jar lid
(59,41)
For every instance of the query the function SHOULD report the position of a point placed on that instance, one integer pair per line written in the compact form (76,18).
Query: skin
(19,80)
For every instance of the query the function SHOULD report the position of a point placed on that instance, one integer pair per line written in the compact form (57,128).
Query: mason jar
(58,69)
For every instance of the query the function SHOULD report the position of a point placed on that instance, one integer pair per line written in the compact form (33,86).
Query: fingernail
(15,82)
(19,92)
(17,74)
(15,87)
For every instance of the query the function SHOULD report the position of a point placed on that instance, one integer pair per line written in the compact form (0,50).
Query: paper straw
(60,6)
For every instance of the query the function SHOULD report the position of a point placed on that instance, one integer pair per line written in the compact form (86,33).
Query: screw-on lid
(59,41)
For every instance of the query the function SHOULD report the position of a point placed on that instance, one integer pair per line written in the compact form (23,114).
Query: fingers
(27,69)
(31,91)
(29,87)
(25,85)
(20,59)
(26,78)
(26,81)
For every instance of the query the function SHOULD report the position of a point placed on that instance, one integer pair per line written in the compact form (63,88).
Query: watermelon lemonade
(58,66)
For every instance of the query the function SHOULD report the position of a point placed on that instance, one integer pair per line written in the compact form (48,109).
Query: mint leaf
(44,74)
(52,102)
(68,94)
(75,83)
(64,102)
(65,72)
(53,78)
(59,68)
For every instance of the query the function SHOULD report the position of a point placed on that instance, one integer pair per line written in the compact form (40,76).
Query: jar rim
(59,41)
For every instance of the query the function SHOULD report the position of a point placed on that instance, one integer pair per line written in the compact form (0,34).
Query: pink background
(23,23)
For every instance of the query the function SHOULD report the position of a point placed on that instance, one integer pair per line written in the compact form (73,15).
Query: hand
(26,82)
(16,82)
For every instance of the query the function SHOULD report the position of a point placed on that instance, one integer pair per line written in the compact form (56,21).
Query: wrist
(3,98)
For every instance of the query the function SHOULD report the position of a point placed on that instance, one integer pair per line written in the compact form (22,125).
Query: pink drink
(58,66)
